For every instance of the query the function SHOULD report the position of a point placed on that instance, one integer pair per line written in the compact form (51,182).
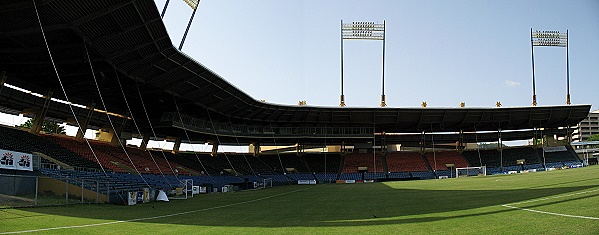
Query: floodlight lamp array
(549,38)
(363,30)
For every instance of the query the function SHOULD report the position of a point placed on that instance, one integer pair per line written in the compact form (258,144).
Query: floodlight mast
(361,30)
(551,39)
(194,5)
(342,104)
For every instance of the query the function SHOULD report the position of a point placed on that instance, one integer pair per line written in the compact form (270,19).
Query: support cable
(139,131)
(373,141)
(238,144)
(189,139)
(325,150)
(477,146)
(69,102)
(434,153)
(218,140)
(110,120)
(64,91)
(283,171)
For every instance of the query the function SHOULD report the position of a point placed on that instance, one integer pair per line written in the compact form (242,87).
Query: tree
(47,126)
(594,137)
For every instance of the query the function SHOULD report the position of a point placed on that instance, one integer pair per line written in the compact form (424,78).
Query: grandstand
(131,62)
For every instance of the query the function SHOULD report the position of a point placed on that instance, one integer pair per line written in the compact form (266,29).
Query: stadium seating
(405,161)
(326,178)
(323,163)
(304,176)
(192,161)
(489,158)
(136,169)
(121,159)
(513,168)
(351,176)
(240,163)
(218,163)
(445,157)
(555,158)
(23,141)
(537,166)
(447,173)
(572,164)
(512,155)
(351,162)
(399,175)
(533,159)
(278,178)
(374,175)
(423,174)
(286,160)
(258,166)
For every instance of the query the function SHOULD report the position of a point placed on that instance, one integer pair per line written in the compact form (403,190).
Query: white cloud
(510,83)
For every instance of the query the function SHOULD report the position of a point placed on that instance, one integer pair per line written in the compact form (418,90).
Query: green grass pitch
(556,202)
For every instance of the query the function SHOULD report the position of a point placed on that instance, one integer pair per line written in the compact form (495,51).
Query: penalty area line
(510,205)
(154,217)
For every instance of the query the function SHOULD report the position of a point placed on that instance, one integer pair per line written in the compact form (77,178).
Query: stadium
(110,68)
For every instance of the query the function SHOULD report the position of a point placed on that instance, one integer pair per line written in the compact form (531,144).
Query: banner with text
(15,160)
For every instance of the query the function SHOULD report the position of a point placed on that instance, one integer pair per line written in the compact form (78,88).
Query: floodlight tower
(361,30)
(551,39)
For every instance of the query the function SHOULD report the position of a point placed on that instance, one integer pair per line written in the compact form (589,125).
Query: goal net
(184,190)
(471,171)
(267,183)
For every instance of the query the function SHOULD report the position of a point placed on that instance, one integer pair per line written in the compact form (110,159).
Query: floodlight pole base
(534,100)
(383,103)
(342,104)
(568,99)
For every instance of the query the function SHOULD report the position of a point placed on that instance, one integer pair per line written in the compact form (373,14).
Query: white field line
(154,217)
(510,205)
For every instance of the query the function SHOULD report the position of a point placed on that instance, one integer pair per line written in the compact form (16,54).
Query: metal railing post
(36,189)
(97,191)
(66,192)
(82,189)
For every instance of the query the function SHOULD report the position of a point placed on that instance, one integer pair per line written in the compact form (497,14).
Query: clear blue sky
(442,52)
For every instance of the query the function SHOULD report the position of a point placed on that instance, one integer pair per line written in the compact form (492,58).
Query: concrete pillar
(85,123)
(499,141)
(383,143)
(255,149)
(144,141)
(107,134)
(2,78)
(177,145)
(534,139)
(460,146)
(38,121)
(117,133)
(422,143)
(214,148)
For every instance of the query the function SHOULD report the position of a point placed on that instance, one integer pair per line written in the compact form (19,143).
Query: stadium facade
(117,61)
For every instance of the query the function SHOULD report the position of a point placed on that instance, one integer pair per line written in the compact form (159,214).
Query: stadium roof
(128,44)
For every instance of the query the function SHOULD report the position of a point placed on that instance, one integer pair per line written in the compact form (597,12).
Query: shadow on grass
(328,205)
